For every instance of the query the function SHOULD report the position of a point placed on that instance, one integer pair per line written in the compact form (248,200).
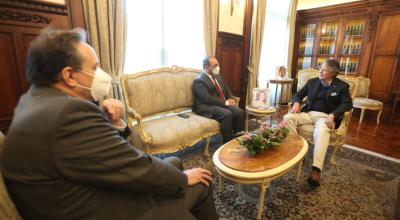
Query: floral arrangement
(263,138)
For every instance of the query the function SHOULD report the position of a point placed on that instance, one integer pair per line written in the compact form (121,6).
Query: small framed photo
(260,98)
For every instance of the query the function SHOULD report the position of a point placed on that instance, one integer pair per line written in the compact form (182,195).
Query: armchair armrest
(132,114)
(237,100)
(341,131)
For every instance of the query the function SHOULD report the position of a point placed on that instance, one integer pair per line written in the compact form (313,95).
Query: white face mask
(101,84)
(216,70)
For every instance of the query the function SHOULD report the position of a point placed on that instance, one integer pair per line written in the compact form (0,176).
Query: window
(275,41)
(162,33)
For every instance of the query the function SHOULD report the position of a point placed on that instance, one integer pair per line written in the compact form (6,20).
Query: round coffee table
(232,161)
(258,112)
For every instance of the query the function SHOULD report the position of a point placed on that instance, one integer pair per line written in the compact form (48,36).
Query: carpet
(361,186)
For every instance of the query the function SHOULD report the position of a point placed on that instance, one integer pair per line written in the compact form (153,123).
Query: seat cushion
(367,103)
(172,133)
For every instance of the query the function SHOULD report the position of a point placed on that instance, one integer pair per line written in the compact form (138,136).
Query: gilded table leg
(299,170)
(263,190)
(220,183)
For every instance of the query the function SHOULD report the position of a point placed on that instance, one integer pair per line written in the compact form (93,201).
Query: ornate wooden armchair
(362,101)
(338,135)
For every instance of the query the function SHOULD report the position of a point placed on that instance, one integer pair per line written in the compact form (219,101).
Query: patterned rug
(361,186)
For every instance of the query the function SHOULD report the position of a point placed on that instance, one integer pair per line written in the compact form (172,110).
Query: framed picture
(260,98)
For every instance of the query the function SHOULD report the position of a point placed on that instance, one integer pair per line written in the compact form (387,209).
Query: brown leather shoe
(314,179)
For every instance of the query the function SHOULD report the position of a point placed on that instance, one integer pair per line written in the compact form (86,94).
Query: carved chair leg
(379,116)
(362,115)
(206,153)
(335,148)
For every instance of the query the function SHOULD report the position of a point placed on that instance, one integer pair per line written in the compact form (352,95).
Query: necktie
(218,88)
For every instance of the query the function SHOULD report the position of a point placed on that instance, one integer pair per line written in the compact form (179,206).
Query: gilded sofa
(153,99)
(338,135)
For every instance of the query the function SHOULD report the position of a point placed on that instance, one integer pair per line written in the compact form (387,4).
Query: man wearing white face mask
(214,99)
(64,158)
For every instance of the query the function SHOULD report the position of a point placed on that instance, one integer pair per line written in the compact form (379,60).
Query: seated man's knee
(289,117)
(175,161)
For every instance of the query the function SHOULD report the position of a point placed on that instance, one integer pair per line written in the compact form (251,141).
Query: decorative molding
(46,7)
(332,14)
(372,25)
(23,17)
(231,40)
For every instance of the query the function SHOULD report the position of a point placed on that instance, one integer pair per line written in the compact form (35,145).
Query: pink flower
(282,124)
(247,136)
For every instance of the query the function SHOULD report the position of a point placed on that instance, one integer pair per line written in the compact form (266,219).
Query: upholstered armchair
(7,207)
(362,101)
(338,135)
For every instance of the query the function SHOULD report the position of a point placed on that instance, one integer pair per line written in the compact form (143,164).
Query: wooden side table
(279,81)
(258,112)
(232,161)
(396,99)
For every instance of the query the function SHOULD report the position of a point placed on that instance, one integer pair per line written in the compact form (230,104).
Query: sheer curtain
(162,33)
(275,43)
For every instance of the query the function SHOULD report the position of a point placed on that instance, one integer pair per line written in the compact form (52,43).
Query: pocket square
(333,94)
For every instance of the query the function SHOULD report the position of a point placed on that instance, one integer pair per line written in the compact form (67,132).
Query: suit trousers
(198,199)
(231,121)
(321,132)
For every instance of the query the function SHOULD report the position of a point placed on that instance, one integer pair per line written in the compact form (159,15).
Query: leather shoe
(314,179)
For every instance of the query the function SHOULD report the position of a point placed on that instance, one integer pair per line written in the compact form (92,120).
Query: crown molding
(46,7)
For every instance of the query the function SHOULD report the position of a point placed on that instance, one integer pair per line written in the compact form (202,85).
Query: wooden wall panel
(388,38)
(231,63)
(20,22)
(381,77)
(9,84)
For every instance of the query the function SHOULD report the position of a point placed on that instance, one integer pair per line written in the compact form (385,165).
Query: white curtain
(210,26)
(255,48)
(162,33)
(275,43)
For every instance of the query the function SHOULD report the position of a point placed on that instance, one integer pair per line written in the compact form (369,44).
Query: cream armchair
(362,101)
(338,135)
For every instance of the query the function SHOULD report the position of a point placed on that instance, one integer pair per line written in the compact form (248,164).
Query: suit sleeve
(346,103)
(299,96)
(201,93)
(87,149)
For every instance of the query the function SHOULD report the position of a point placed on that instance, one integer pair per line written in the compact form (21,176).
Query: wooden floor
(383,139)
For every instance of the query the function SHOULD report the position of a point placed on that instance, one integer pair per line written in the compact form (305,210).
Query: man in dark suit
(328,98)
(65,159)
(214,99)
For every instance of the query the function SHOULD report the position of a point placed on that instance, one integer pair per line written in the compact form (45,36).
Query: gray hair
(52,51)
(333,66)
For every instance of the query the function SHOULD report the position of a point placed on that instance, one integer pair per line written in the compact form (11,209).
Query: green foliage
(263,138)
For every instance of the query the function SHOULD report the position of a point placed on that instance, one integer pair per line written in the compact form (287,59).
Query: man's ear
(66,76)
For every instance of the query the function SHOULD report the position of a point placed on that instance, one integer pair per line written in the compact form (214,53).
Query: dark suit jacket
(64,160)
(338,98)
(206,96)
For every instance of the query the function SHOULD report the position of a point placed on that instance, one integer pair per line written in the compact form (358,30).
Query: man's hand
(231,102)
(330,122)
(114,110)
(295,108)
(197,175)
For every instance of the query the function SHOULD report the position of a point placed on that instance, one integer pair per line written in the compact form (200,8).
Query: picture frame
(260,98)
